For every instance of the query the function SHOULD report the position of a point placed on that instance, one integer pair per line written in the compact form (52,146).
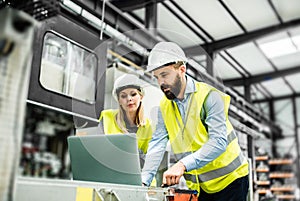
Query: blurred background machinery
(16,34)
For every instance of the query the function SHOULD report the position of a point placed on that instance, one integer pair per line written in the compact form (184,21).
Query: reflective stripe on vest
(218,172)
(230,138)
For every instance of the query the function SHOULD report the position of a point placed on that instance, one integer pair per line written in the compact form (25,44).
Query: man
(193,116)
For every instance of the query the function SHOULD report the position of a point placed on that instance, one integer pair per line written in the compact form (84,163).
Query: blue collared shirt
(212,116)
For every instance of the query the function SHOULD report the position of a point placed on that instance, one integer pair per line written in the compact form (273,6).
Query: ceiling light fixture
(280,47)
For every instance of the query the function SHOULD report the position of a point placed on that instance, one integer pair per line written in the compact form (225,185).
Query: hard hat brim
(118,90)
(161,66)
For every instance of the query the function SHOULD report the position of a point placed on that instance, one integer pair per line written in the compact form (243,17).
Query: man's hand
(173,174)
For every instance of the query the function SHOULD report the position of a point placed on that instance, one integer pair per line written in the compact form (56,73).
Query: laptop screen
(105,158)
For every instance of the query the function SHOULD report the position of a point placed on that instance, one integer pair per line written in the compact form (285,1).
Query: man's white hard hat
(165,53)
(127,81)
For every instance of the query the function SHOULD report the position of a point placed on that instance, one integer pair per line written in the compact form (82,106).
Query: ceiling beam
(240,39)
(176,14)
(232,15)
(116,18)
(193,21)
(133,4)
(278,98)
(261,77)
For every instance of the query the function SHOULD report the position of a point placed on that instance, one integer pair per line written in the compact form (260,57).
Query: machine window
(68,68)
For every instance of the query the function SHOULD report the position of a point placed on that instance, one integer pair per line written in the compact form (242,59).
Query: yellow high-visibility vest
(188,137)
(110,126)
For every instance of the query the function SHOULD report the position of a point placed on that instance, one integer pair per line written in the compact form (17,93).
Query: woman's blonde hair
(139,119)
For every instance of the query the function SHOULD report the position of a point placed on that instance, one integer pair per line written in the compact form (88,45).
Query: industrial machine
(53,190)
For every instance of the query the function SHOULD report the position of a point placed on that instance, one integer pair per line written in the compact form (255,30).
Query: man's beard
(174,89)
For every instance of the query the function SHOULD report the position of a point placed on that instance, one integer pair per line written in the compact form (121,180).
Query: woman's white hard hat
(127,81)
(164,53)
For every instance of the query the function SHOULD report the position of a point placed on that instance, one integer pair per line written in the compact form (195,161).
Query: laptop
(105,158)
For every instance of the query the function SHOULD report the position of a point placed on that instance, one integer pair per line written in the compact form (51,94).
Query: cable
(102,19)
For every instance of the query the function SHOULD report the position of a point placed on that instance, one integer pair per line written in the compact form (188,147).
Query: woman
(129,117)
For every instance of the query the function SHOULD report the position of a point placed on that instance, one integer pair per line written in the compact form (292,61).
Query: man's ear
(182,68)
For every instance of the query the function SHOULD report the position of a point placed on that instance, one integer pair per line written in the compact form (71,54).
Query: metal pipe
(297,140)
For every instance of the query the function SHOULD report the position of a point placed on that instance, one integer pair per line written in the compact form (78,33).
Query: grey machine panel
(31,189)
